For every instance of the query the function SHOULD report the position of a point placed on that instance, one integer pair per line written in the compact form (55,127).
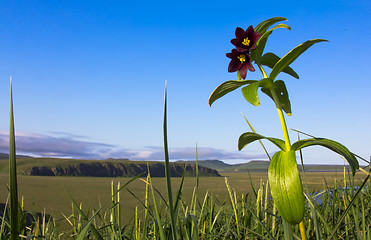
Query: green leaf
(87,226)
(258,51)
(283,95)
(260,44)
(350,206)
(330,144)
(85,218)
(250,91)
(249,137)
(158,221)
(286,187)
(13,187)
(167,172)
(270,59)
(263,26)
(227,87)
(291,57)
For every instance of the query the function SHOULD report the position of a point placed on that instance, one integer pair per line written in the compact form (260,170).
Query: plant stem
(285,135)
(302,230)
(279,110)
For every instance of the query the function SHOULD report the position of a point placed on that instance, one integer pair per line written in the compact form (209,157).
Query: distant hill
(101,168)
(262,166)
(4,156)
(213,164)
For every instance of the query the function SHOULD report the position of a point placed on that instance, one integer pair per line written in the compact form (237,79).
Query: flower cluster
(244,42)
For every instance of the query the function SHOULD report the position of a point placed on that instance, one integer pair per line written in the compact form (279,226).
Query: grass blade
(158,217)
(88,225)
(348,207)
(261,143)
(167,172)
(13,188)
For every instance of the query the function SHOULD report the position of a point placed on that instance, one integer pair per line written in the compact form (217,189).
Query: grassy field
(50,193)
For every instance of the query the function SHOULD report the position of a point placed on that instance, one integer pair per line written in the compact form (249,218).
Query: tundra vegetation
(281,208)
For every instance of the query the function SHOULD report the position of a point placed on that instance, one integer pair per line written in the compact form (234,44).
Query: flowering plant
(283,173)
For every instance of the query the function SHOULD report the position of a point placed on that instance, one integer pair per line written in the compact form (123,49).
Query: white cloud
(72,146)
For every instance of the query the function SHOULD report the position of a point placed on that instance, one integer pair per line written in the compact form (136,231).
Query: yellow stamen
(242,58)
(246,42)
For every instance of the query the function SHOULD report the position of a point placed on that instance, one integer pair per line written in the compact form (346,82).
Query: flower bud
(286,187)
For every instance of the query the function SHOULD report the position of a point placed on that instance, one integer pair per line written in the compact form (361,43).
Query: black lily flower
(245,40)
(240,61)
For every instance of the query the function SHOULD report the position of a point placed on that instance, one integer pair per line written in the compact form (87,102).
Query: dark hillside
(101,168)
(120,169)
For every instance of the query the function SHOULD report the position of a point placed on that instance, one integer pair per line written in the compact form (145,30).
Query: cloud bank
(72,146)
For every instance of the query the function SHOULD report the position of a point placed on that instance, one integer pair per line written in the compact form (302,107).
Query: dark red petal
(240,33)
(243,71)
(229,55)
(256,36)
(235,41)
(250,31)
(250,66)
(234,65)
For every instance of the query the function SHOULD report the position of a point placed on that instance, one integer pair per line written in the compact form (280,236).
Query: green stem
(279,110)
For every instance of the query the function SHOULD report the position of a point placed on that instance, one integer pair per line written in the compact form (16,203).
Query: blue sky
(89,77)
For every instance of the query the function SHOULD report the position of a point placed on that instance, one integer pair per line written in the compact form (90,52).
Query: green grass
(215,215)
(49,193)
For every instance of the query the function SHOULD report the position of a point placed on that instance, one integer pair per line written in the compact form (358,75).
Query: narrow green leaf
(250,91)
(158,221)
(259,221)
(350,205)
(13,187)
(270,59)
(91,227)
(263,26)
(261,143)
(330,144)
(291,57)
(167,171)
(180,192)
(260,44)
(283,95)
(87,226)
(257,53)
(227,87)
(249,137)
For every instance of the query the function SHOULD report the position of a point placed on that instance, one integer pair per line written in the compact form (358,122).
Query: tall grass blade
(348,208)
(14,230)
(287,230)
(261,143)
(179,194)
(259,221)
(312,210)
(88,225)
(233,205)
(158,221)
(167,171)
(3,220)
